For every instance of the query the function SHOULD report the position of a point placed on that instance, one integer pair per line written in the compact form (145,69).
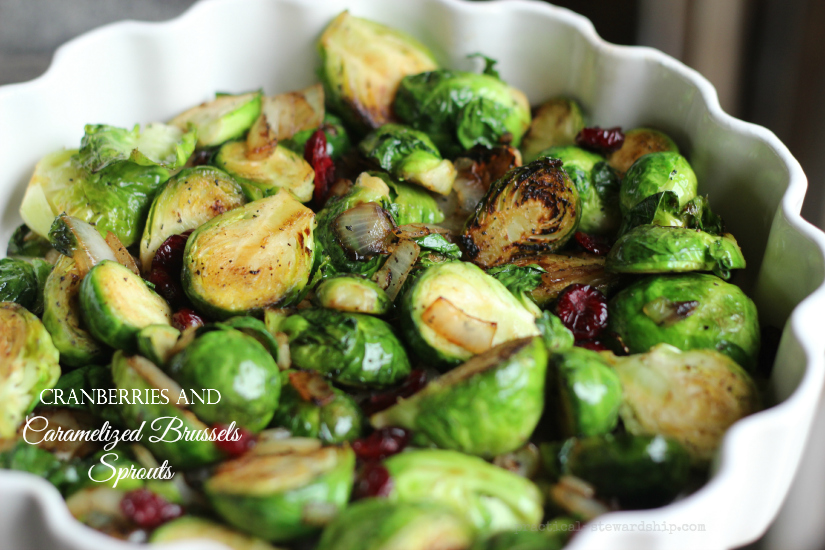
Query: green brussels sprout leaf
(157,145)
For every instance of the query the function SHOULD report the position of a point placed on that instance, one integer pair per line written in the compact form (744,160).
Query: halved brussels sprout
(138,375)
(29,365)
(351,348)
(338,142)
(641,471)
(62,317)
(658,249)
(454,310)
(491,498)
(115,199)
(225,117)
(556,123)
(156,343)
(280,169)
(283,496)
(22,281)
(459,109)
(477,169)
(255,256)
(187,201)
(692,396)
(354,294)
(362,63)
(25,242)
(689,311)
(156,145)
(310,407)
(488,406)
(637,143)
(240,368)
(283,116)
(194,528)
(409,155)
(375,524)
(534,208)
(563,270)
(115,304)
(585,393)
(654,173)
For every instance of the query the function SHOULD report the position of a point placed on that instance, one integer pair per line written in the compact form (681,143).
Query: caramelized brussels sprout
(563,270)
(81,241)
(195,528)
(225,117)
(156,145)
(691,396)
(282,496)
(689,311)
(283,116)
(353,294)
(255,256)
(637,143)
(534,208)
(23,281)
(488,406)
(351,348)
(187,201)
(556,123)
(654,173)
(30,364)
(491,498)
(362,63)
(280,169)
(477,169)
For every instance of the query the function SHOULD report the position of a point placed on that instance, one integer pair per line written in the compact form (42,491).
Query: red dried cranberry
(315,153)
(148,510)
(234,448)
(186,318)
(582,309)
(169,255)
(592,243)
(200,157)
(384,400)
(372,481)
(381,443)
(604,140)
(169,288)
(595,345)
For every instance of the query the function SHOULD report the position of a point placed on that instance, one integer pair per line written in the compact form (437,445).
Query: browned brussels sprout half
(534,208)
(637,143)
(563,270)
(555,123)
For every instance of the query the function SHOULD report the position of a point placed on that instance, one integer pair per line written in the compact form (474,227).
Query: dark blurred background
(765,57)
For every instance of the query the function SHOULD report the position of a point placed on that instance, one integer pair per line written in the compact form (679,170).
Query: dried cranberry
(604,140)
(372,481)
(148,510)
(582,309)
(315,153)
(234,448)
(200,157)
(592,243)
(595,345)
(169,255)
(186,318)
(170,289)
(384,400)
(381,443)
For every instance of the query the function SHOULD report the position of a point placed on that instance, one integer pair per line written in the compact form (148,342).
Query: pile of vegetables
(433,315)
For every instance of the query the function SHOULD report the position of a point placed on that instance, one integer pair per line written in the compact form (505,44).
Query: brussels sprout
(251,327)
(79,240)
(641,471)
(194,528)
(459,109)
(654,173)
(409,155)
(225,117)
(351,348)
(115,304)
(410,204)
(556,336)
(563,270)
(22,282)
(115,199)
(30,364)
(282,116)
(658,249)
(454,310)
(62,317)
(338,142)
(187,201)
(32,459)
(157,145)
(520,280)
(27,243)
(690,311)
(663,209)
(556,123)
(375,524)
(258,255)
(637,143)
(280,169)
(354,294)
(527,540)
(240,368)
(138,376)
(534,208)
(279,497)
(362,63)
(156,342)
(488,406)
(691,396)
(310,407)
(491,498)
(477,169)
(585,391)
(597,184)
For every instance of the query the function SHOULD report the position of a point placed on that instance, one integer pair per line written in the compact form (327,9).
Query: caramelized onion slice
(453,324)
(397,268)
(364,230)
(120,252)
(417,230)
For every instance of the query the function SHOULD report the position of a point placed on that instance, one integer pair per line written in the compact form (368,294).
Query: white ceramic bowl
(131,72)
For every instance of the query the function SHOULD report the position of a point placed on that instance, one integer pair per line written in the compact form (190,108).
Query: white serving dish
(131,71)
